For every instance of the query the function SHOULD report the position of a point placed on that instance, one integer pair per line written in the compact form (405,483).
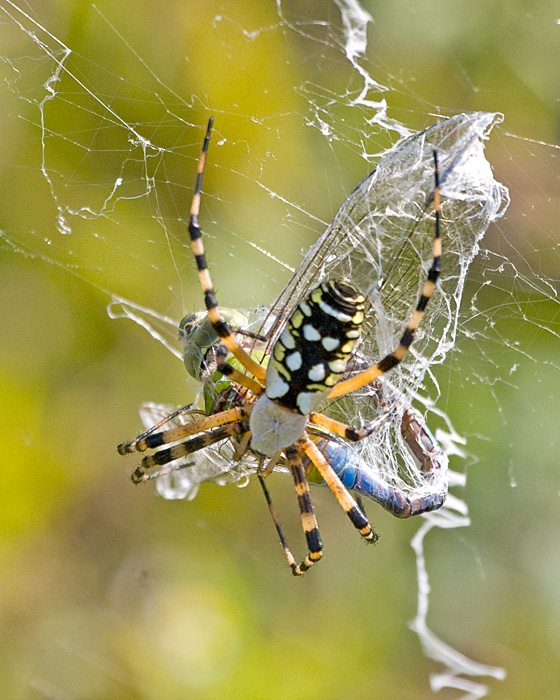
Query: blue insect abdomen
(357,476)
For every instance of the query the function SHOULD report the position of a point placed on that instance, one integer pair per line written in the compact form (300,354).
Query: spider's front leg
(150,439)
(182,449)
(221,326)
(139,443)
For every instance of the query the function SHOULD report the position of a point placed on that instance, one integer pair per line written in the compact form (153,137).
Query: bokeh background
(109,591)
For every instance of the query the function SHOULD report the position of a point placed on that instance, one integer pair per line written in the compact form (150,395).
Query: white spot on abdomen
(308,401)
(287,340)
(330,343)
(335,313)
(317,373)
(294,361)
(310,333)
(276,386)
(338,366)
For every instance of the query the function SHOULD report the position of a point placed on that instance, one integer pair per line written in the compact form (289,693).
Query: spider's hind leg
(348,503)
(308,520)
(394,358)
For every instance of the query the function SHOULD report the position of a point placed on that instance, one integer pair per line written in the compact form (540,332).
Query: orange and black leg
(308,520)
(221,326)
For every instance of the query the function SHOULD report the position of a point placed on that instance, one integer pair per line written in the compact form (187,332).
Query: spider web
(107,145)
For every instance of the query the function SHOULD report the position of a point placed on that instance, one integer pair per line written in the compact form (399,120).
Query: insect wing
(381,239)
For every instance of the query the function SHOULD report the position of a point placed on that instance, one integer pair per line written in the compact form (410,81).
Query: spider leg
(133,445)
(170,454)
(179,432)
(361,480)
(289,556)
(234,374)
(308,520)
(345,431)
(394,358)
(221,326)
(348,503)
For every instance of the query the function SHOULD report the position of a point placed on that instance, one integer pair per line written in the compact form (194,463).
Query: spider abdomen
(311,354)
(308,359)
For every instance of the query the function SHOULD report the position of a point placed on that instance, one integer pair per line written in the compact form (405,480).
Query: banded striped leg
(347,432)
(152,440)
(234,374)
(392,359)
(219,323)
(348,503)
(308,520)
(170,454)
(139,444)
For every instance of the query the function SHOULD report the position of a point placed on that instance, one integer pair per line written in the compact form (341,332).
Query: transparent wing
(381,240)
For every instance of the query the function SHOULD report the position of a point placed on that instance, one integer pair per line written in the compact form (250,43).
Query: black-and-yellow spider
(306,366)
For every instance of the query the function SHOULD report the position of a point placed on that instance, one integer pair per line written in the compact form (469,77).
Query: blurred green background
(109,591)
